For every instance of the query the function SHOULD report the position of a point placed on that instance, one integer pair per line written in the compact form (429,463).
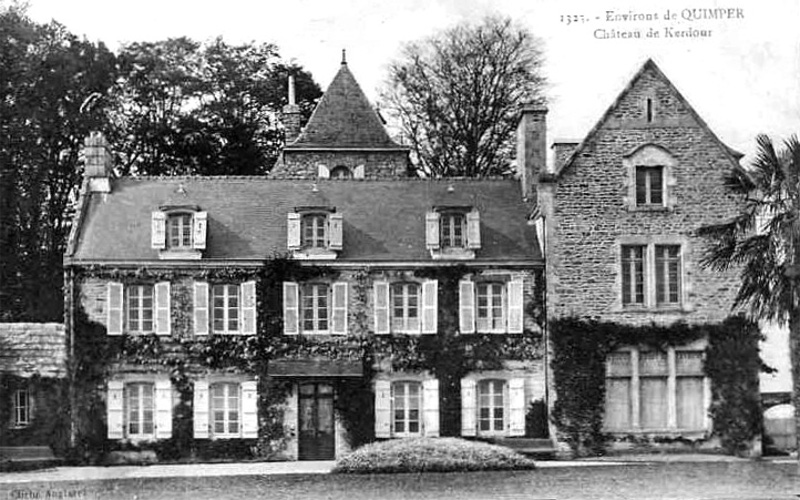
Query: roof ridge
(267,178)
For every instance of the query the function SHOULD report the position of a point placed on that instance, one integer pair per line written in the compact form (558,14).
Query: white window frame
(141,410)
(490,318)
(226,410)
(135,307)
(448,229)
(22,409)
(406,397)
(319,222)
(647,171)
(490,382)
(635,395)
(405,320)
(316,318)
(183,225)
(226,309)
(651,274)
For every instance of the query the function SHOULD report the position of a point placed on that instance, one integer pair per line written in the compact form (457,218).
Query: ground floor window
(491,406)
(651,390)
(225,411)
(406,399)
(21,408)
(139,410)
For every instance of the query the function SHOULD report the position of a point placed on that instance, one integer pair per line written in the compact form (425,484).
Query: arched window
(341,172)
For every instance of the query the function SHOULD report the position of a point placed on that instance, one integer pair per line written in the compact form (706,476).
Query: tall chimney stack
(291,115)
(531,147)
(98,162)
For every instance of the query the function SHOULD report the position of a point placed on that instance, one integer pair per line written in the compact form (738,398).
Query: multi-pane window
(491,406)
(140,308)
(179,231)
(405,307)
(649,185)
(226,420)
(314,229)
(140,409)
(655,390)
(633,274)
(453,228)
(315,307)
(406,397)
(225,304)
(490,310)
(668,274)
(22,408)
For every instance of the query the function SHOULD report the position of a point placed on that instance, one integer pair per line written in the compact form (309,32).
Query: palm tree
(763,240)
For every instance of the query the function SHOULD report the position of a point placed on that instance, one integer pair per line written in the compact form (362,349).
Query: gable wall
(593,217)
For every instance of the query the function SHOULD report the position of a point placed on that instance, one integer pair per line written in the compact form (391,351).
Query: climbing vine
(580,349)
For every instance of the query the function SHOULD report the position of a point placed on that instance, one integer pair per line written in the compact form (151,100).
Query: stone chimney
(98,163)
(531,146)
(562,148)
(291,115)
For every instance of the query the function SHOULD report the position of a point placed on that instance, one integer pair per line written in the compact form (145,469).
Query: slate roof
(247,216)
(649,65)
(28,349)
(344,118)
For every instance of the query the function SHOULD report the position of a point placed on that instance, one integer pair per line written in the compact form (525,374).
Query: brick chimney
(98,163)
(531,146)
(562,148)
(291,115)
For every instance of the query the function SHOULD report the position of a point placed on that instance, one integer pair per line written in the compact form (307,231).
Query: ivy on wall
(447,355)
(732,364)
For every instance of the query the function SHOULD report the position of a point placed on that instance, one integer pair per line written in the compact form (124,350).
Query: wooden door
(315,412)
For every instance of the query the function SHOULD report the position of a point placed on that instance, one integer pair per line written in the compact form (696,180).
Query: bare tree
(455,96)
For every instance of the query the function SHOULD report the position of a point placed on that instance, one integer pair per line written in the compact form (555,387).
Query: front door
(316,421)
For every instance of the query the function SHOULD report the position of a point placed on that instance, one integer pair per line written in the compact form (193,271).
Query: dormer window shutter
(293,231)
(335,231)
(159,231)
(200,229)
(473,229)
(432,230)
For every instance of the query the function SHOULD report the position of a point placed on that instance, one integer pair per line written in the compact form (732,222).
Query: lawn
(739,480)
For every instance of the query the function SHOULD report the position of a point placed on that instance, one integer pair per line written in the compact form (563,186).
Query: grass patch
(431,455)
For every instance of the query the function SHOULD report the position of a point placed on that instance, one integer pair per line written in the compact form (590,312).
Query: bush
(431,455)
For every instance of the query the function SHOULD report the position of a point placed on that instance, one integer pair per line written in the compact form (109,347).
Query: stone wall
(377,164)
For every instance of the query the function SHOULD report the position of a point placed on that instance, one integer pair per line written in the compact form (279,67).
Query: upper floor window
(179,232)
(651,275)
(179,229)
(490,307)
(453,227)
(314,231)
(225,308)
(315,307)
(649,185)
(21,408)
(405,307)
(140,308)
(453,232)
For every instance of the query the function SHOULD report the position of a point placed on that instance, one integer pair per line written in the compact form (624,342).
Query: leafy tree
(764,241)
(456,96)
(47,74)
(184,107)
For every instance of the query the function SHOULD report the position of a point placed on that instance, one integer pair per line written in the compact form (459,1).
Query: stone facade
(376,164)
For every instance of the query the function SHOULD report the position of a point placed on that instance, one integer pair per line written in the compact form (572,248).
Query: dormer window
(179,232)
(453,232)
(314,232)
(341,172)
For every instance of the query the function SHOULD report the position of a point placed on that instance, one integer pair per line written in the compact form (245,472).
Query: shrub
(431,455)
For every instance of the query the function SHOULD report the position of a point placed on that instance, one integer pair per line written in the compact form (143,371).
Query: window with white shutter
(163,406)
(163,317)
(339,310)
(468,407)
(200,308)
(291,308)
(381,302)
(383,409)
(466,306)
(430,303)
(114,309)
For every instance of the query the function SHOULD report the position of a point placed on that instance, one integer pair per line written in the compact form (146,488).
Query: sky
(739,66)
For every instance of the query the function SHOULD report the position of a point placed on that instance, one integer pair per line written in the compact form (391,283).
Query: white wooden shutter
(383,409)
(200,308)
(200,223)
(381,290)
(293,231)
(473,229)
(201,409)
(430,302)
(335,231)
(323,172)
(515,306)
(469,401)
(516,407)
(163,316)
(248,315)
(115,309)
(466,306)
(432,230)
(158,237)
(291,308)
(163,409)
(339,310)
(358,172)
(249,409)
(114,409)
(430,406)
